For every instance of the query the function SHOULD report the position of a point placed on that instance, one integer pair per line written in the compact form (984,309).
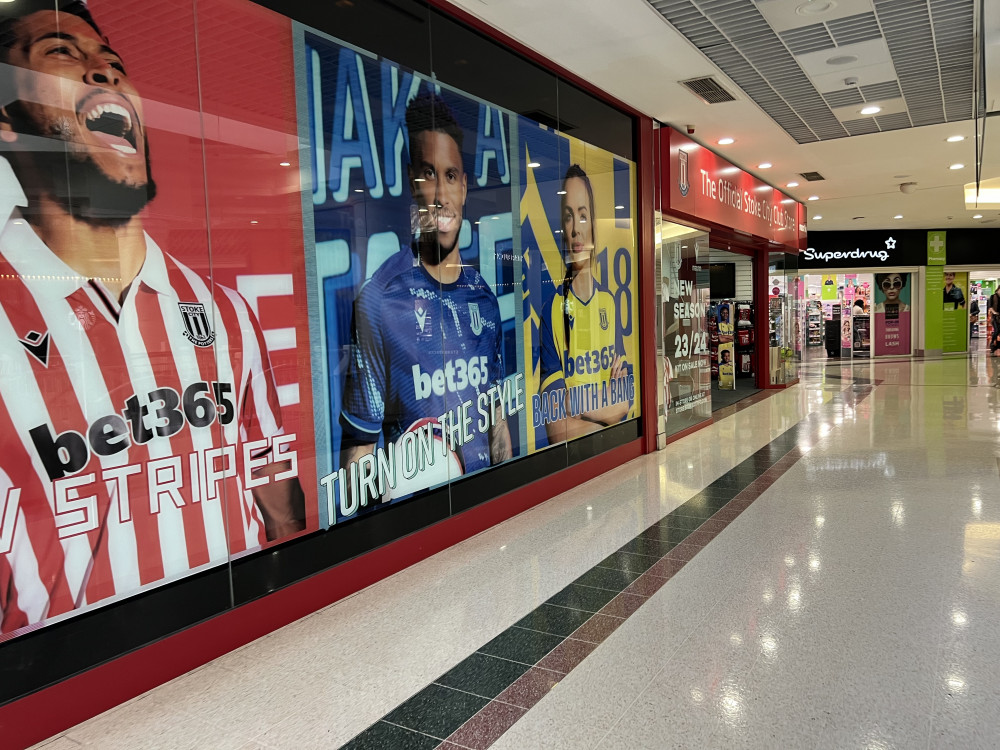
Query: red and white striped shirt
(128,433)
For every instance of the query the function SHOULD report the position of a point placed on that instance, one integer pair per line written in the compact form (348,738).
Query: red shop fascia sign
(706,188)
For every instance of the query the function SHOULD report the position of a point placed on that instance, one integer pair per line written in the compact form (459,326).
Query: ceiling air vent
(811,176)
(708,90)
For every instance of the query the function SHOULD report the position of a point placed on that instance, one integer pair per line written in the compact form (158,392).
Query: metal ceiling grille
(807,39)
(861,126)
(930,43)
(880,92)
(895,121)
(708,90)
(853,29)
(844,98)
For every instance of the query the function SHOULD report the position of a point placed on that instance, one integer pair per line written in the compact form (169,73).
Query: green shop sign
(936,248)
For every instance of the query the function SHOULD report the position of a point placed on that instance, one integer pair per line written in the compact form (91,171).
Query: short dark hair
(11,13)
(428,114)
(880,277)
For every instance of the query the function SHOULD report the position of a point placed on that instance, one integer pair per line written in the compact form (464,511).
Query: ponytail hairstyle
(574,171)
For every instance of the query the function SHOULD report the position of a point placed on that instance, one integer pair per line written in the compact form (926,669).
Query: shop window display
(685,340)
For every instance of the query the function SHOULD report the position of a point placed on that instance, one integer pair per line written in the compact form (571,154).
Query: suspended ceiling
(813,64)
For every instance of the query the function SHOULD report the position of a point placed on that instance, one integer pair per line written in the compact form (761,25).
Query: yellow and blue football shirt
(579,340)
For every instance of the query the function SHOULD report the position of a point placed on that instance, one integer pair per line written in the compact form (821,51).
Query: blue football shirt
(419,349)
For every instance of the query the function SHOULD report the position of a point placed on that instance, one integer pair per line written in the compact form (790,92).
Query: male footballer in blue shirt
(427,332)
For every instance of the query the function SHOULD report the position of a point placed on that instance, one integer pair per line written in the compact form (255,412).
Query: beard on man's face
(73,180)
(431,249)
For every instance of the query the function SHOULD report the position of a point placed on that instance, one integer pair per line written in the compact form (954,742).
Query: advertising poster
(828,291)
(687,369)
(726,354)
(726,314)
(580,285)
(955,320)
(416,279)
(151,419)
(891,333)
(846,333)
(727,367)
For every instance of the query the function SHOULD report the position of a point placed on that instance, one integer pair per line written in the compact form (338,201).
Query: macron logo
(37,345)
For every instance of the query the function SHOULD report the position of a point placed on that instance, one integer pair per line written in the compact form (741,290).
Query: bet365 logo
(454,377)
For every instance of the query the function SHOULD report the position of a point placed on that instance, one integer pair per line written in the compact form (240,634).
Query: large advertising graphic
(416,280)
(955,317)
(240,306)
(152,420)
(892,313)
(475,294)
(580,287)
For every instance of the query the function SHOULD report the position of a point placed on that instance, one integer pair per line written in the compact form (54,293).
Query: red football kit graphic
(130,430)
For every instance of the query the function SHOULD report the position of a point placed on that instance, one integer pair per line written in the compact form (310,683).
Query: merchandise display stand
(744,338)
(814,323)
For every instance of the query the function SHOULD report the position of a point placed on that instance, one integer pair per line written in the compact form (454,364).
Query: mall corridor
(818,569)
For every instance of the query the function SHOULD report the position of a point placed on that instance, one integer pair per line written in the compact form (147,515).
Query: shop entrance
(730,320)
(982,284)
(856,315)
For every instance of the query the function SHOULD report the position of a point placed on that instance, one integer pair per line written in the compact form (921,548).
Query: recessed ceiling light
(978,216)
(814,197)
(955,138)
(816,7)
(533,164)
(792,184)
(898,216)
(957,166)
(873,110)
(765,165)
(842,60)
(726,141)
(817,217)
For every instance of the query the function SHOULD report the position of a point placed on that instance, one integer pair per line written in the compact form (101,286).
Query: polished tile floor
(821,569)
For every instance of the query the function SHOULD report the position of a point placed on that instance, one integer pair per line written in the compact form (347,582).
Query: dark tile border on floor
(474,703)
